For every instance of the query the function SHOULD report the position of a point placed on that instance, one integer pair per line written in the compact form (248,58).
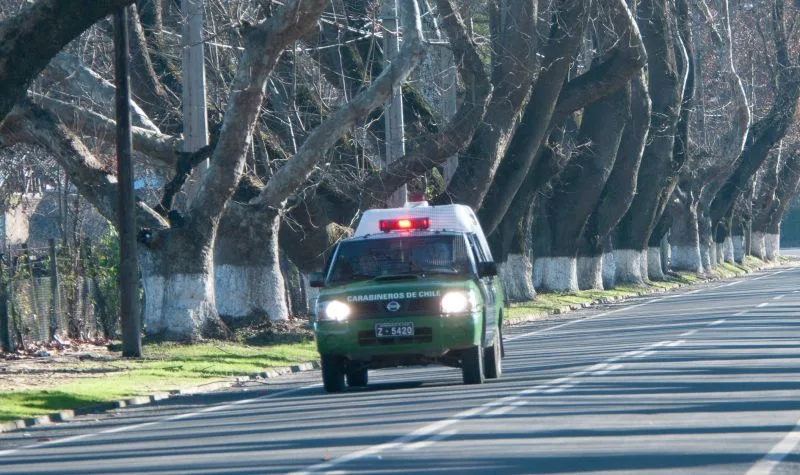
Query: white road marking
(559,389)
(645,354)
(786,446)
(660,344)
(598,367)
(432,440)
(127,428)
(779,297)
(609,369)
(689,333)
(762,305)
(677,343)
(632,354)
(502,410)
(717,322)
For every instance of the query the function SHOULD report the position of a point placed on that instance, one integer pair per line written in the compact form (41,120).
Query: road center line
(762,305)
(425,443)
(611,368)
(717,322)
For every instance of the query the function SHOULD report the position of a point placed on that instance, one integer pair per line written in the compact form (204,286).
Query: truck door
(487,291)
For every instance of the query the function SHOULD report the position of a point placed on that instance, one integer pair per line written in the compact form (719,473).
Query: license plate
(391,330)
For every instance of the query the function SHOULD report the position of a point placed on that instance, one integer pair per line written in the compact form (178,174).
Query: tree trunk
(582,182)
(609,265)
(514,38)
(509,245)
(656,260)
(517,275)
(38,32)
(177,278)
(657,172)
(628,266)
(772,246)
(684,236)
(739,248)
(758,245)
(248,280)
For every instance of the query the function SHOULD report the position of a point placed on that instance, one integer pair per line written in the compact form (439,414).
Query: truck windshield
(367,259)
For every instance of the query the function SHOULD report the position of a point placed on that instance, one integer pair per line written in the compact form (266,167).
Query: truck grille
(421,335)
(408,308)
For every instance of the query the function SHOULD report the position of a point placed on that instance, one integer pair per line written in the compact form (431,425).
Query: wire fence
(42,303)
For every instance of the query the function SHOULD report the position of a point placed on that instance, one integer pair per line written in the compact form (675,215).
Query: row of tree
(586,134)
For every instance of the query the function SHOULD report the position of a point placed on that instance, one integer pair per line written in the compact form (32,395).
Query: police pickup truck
(414,286)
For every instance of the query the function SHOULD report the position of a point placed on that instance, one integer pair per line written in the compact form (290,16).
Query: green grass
(164,366)
(551,302)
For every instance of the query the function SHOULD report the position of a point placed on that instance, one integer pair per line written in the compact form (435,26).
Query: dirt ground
(47,366)
(43,368)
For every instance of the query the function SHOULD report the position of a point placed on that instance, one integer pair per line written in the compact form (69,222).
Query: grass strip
(163,367)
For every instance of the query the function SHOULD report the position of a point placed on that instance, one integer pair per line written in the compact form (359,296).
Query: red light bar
(404,224)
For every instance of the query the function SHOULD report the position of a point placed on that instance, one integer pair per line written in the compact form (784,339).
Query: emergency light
(404,224)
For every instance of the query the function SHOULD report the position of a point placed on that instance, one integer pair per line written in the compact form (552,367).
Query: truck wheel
(493,358)
(472,365)
(332,373)
(357,378)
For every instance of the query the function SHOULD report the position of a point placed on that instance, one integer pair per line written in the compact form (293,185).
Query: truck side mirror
(487,269)
(316,279)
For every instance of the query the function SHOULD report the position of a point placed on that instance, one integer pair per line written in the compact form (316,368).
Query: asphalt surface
(701,381)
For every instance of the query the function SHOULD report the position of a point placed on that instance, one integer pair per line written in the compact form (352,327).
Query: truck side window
(477,251)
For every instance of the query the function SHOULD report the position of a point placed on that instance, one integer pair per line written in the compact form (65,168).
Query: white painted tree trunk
(628,266)
(244,291)
(538,272)
(728,250)
(517,276)
(176,306)
(686,258)
(311,293)
(738,249)
(772,246)
(759,247)
(248,278)
(559,274)
(705,256)
(590,272)
(609,271)
(654,268)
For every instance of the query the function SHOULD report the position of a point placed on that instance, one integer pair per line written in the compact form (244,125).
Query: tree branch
(264,44)
(32,37)
(294,173)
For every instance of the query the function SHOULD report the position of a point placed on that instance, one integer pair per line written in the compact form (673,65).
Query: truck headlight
(336,310)
(458,302)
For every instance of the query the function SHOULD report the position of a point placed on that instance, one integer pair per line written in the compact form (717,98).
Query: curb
(69,414)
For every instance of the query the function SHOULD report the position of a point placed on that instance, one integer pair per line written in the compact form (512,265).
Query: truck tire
(472,365)
(493,358)
(332,373)
(357,378)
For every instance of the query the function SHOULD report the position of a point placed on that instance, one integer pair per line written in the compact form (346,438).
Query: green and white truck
(414,286)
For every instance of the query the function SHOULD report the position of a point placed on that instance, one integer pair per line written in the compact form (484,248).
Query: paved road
(698,382)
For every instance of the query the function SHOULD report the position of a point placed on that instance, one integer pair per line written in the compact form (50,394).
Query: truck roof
(447,218)
(456,218)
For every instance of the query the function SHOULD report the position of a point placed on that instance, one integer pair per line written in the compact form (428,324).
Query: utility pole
(128,262)
(393,110)
(195,121)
